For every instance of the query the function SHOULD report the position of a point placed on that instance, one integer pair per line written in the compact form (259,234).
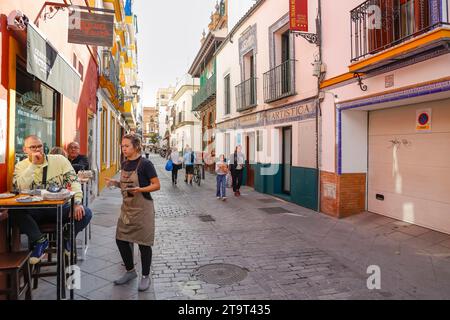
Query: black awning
(44,62)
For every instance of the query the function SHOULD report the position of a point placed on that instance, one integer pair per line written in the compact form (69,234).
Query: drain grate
(206,218)
(268,200)
(275,210)
(221,273)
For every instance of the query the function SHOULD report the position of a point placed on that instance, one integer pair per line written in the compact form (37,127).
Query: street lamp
(135,89)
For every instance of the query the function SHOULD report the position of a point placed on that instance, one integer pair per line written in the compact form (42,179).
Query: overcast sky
(169,38)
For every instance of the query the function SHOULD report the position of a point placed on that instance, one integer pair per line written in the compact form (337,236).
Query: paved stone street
(286,252)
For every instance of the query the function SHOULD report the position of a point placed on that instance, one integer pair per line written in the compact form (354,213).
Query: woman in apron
(136,223)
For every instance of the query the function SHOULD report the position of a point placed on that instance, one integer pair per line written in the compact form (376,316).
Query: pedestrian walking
(176,160)
(221,171)
(237,161)
(189,161)
(136,223)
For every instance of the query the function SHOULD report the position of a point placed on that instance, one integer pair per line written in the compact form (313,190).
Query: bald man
(41,170)
(78,161)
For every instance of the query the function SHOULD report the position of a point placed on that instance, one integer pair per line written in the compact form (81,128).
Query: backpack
(192,157)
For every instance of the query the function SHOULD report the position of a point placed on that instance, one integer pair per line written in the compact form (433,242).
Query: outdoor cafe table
(12,204)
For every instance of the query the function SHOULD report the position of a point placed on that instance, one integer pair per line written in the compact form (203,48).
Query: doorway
(287,159)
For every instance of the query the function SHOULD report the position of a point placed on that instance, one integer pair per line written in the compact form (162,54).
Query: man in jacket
(79,162)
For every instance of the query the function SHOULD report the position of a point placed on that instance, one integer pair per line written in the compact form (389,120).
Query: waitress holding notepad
(136,223)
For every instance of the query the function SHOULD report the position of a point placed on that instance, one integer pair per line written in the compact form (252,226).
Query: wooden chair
(14,265)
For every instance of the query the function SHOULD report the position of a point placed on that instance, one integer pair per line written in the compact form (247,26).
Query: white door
(409,171)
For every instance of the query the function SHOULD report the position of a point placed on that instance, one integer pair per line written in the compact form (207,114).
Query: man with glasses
(78,161)
(41,170)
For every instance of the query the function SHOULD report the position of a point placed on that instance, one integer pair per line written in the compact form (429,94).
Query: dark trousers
(237,179)
(175,169)
(126,252)
(28,220)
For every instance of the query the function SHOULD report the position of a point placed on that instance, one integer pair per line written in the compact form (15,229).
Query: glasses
(34,148)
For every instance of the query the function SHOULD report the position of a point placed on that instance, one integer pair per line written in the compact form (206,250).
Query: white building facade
(266,103)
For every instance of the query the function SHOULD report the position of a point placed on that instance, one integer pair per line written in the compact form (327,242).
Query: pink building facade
(385,138)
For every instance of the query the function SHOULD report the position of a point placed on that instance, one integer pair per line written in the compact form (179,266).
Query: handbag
(169,165)
(229,180)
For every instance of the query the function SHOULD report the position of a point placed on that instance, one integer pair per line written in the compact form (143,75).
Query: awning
(44,62)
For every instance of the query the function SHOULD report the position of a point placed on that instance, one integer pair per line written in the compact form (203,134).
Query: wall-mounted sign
(291,113)
(298,15)
(423,120)
(3,133)
(91,28)
(389,81)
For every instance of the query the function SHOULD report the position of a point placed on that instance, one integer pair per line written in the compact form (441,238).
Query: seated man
(78,161)
(39,169)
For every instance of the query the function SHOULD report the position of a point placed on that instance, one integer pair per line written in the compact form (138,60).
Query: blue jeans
(221,185)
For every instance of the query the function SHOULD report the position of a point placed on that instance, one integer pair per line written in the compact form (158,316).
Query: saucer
(6,195)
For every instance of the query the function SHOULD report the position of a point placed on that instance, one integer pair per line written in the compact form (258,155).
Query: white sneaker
(224,198)
(144,284)
(218,198)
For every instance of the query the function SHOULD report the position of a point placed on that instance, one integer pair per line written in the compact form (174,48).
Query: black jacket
(80,163)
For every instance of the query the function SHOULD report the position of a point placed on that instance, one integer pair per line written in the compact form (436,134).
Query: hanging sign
(423,120)
(298,15)
(91,29)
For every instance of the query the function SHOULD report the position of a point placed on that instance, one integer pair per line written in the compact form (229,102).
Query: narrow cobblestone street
(293,254)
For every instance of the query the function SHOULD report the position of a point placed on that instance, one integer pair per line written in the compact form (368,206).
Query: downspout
(318,108)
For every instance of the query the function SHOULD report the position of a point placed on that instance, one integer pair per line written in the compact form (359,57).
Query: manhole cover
(206,218)
(221,273)
(275,210)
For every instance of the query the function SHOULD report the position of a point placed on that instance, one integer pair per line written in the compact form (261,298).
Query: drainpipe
(318,108)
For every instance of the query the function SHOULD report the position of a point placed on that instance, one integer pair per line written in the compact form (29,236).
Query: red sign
(91,29)
(298,15)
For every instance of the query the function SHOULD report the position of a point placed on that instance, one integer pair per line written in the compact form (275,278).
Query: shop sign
(298,15)
(423,120)
(289,114)
(91,29)
(3,133)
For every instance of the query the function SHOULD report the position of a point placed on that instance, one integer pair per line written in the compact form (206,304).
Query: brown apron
(137,218)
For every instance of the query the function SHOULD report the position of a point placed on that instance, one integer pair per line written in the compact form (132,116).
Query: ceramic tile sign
(3,123)
(423,120)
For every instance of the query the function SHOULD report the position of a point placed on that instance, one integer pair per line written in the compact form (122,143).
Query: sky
(169,38)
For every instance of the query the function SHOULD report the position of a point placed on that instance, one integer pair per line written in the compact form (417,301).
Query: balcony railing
(109,68)
(279,82)
(204,94)
(377,25)
(246,95)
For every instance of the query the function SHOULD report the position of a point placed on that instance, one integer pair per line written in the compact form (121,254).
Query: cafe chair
(15,264)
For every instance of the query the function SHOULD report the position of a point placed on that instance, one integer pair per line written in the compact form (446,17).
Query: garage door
(409,171)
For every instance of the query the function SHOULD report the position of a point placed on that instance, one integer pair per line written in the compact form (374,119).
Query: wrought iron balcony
(206,93)
(279,82)
(377,25)
(246,95)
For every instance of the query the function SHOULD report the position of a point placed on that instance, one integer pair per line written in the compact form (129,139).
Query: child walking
(221,170)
